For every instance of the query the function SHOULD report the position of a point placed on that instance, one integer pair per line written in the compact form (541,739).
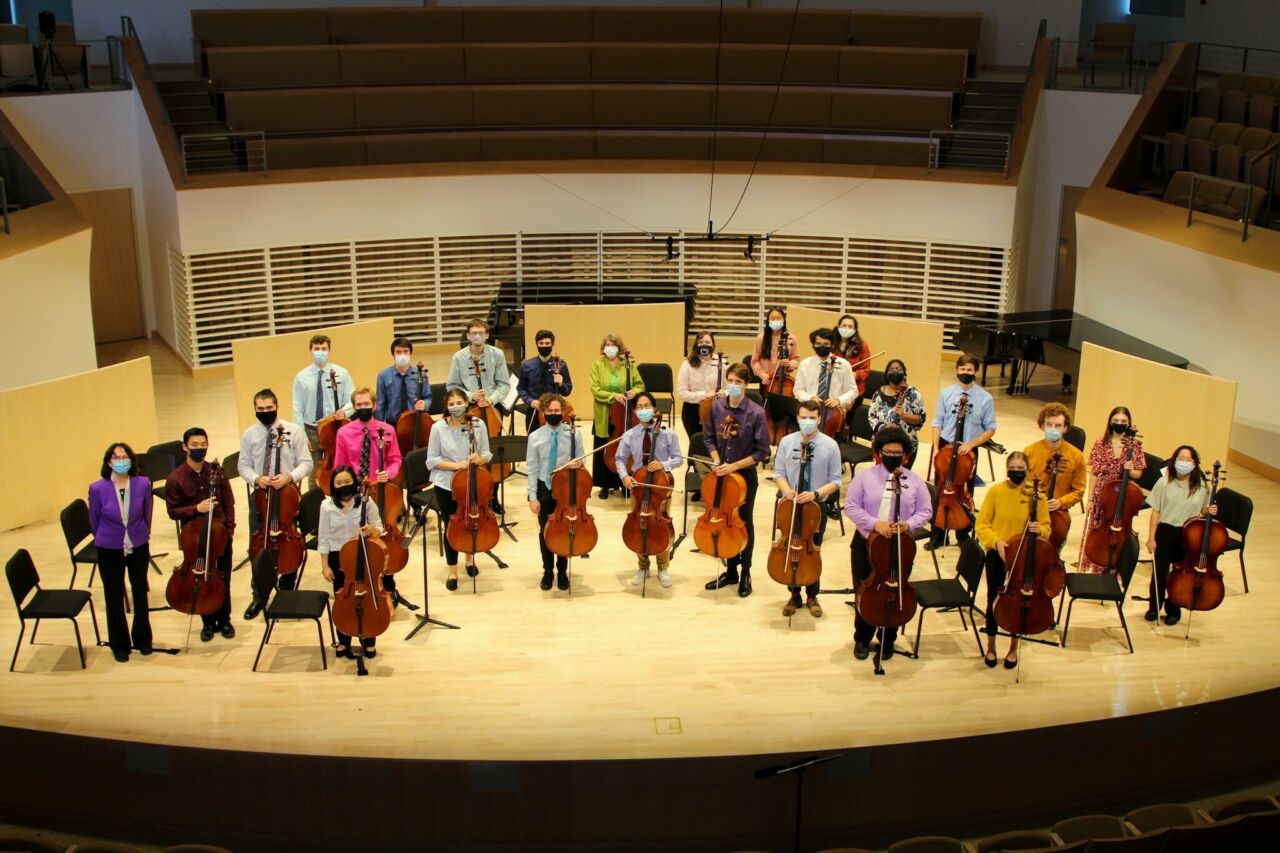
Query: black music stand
(424,618)
(798,767)
(507,450)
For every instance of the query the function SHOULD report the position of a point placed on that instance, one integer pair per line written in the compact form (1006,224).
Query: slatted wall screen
(430,286)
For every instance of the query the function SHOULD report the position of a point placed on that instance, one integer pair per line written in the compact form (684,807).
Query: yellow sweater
(1004,514)
(1071,479)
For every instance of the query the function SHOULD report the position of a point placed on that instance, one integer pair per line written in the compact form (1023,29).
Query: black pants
(689,417)
(601,476)
(548,506)
(266,579)
(223,616)
(1169,550)
(863,630)
(996,573)
(448,506)
(112,564)
(939,534)
(340,580)
(747,513)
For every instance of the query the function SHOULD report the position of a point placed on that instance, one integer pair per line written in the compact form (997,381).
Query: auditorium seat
(250,27)
(764,63)
(932,68)
(1234,106)
(681,63)
(667,105)
(1209,102)
(1199,127)
(396,26)
(537,24)
(1262,112)
(364,64)
(1232,157)
(621,24)
(560,145)
(514,63)
(423,148)
(774,26)
(300,65)
(294,110)
(313,153)
(1257,84)
(655,145)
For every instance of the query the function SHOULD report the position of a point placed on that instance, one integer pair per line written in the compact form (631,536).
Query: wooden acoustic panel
(114,286)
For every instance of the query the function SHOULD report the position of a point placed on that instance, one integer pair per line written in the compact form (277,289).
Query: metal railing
(4,206)
(232,151)
(1215,58)
(993,150)
(1224,208)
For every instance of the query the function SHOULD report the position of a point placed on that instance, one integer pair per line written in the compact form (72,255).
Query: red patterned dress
(1106,468)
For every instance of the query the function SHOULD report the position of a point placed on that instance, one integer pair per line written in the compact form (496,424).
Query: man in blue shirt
(401,388)
(542,375)
(313,396)
(490,388)
(979,426)
(550,447)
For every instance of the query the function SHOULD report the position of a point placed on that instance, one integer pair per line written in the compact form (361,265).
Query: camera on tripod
(48,25)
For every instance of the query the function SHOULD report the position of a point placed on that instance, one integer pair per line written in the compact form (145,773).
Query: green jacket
(607,380)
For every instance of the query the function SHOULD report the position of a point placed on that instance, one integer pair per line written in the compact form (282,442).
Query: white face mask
(808,426)
(457,409)
(402,361)
(776,325)
(611,352)
(846,332)
(320,357)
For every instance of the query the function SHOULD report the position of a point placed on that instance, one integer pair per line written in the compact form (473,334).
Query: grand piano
(1029,339)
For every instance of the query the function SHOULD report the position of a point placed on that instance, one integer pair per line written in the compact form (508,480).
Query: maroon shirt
(753,434)
(185,489)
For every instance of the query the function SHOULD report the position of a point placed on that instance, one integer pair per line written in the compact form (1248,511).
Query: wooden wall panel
(114,285)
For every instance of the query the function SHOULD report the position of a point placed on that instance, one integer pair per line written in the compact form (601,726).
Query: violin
(362,608)
(390,501)
(571,530)
(831,420)
(795,560)
(1196,582)
(704,408)
(648,529)
(1117,503)
(278,513)
(952,473)
(327,437)
(885,598)
(780,384)
(473,527)
(621,415)
(413,427)
(196,586)
(720,530)
(1024,606)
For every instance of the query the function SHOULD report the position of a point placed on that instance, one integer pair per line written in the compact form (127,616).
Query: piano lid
(1070,330)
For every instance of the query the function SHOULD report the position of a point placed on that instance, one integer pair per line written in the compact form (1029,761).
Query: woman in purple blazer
(120,515)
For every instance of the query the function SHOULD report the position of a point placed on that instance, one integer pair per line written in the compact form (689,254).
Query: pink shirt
(351,440)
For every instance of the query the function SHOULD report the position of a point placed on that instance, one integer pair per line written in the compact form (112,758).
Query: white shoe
(664,579)
(639,577)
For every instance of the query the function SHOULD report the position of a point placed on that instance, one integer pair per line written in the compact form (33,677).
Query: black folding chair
(1235,511)
(45,604)
(958,593)
(658,380)
(297,604)
(75,529)
(853,453)
(1103,587)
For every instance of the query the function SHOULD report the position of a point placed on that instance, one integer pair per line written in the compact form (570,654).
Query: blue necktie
(319,395)
(555,452)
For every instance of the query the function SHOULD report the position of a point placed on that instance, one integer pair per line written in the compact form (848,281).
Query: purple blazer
(104,513)
(862,500)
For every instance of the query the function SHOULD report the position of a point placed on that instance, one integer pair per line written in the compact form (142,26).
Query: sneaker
(789,609)
(664,579)
(815,609)
(639,576)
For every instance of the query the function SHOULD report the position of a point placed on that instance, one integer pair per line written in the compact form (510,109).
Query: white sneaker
(639,577)
(664,579)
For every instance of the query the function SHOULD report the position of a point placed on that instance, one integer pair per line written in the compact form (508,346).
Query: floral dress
(1106,468)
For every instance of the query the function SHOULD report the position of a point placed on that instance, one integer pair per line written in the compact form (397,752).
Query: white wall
(160,230)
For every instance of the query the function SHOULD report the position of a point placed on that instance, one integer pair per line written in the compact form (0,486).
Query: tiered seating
(1221,149)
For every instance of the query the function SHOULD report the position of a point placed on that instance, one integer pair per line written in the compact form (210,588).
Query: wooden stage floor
(605,674)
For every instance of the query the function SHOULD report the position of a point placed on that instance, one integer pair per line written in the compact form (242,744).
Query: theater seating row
(1252,101)
(1219,148)
(363,65)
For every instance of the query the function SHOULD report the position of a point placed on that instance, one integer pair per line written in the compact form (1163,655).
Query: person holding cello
(120,505)
(1176,498)
(339,524)
(1069,484)
(741,454)
(827,380)
(542,374)
(853,349)
(186,494)
(1005,515)
(448,452)
(257,468)
(868,503)
(701,377)
(493,383)
(896,403)
(817,480)
(313,395)
(399,388)
(661,447)
(767,362)
(609,384)
(979,426)
(549,448)
(1112,453)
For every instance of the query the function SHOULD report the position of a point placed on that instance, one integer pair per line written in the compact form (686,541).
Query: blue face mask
(645,415)
(1183,467)
(320,357)
(808,426)
(1051,435)
(776,325)
(121,466)
(734,391)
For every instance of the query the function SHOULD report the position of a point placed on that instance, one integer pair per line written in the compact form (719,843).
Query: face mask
(198,454)
(346,492)
(808,426)
(320,357)
(1183,467)
(891,462)
(402,361)
(846,332)
(364,415)
(734,391)
(121,466)
(776,325)
(704,351)
(645,415)
(545,352)
(964,378)
(1119,429)
(1051,435)
(610,352)
(822,351)
(265,418)
(895,377)
(554,420)
(476,339)
(1016,477)
(456,410)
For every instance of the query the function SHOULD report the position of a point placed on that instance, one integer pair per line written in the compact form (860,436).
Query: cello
(1117,503)
(952,473)
(885,598)
(570,530)
(472,528)
(567,408)
(831,419)
(621,415)
(278,513)
(1024,606)
(704,408)
(795,560)
(781,385)
(1196,582)
(390,503)
(1059,526)
(720,530)
(413,427)
(327,437)
(196,586)
(648,529)
(362,608)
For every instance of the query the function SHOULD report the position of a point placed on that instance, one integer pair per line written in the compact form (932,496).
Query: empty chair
(1204,838)
(1163,816)
(1197,128)
(658,381)
(1209,102)
(1200,156)
(1260,831)
(958,592)
(1147,842)
(1018,839)
(929,844)
(23,579)
(1231,80)
(1231,160)
(1262,112)
(1235,105)
(1235,511)
(1257,84)
(1239,806)
(76,527)
(1088,827)
(1106,587)
(852,453)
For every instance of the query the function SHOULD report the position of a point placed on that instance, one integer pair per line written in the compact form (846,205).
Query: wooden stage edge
(869,796)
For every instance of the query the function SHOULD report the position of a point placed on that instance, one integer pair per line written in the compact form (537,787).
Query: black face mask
(965,378)
(554,420)
(346,492)
(198,454)
(545,352)
(895,377)
(891,462)
(1016,477)
(822,352)
(704,351)
(266,418)
(1119,429)
(364,415)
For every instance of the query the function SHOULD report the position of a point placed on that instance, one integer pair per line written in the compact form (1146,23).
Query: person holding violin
(868,503)
(897,403)
(339,524)
(979,426)
(549,448)
(448,452)
(313,395)
(493,384)
(824,379)
(542,375)
(1176,498)
(1003,516)
(1112,453)
(120,505)
(1068,487)
(852,348)
(399,389)
(609,384)
(186,494)
(661,446)
(701,377)
(257,468)
(816,480)
(767,360)
(741,454)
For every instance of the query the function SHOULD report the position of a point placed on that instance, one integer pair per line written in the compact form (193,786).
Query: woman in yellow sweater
(1005,515)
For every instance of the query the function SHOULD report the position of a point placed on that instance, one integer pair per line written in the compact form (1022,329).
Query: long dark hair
(1196,478)
(695,360)
(106,459)
(852,346)
(1106,431)
(766,345)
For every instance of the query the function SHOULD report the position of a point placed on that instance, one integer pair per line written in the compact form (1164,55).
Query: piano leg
(1066,384)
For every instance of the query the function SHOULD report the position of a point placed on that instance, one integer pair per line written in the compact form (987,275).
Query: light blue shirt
(390,406)
(824,463)
(304,393)
(449,443)
(539,451)
(664,447)
(980,417)
(493,372)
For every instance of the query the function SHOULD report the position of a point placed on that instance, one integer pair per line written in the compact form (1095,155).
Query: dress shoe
(254,608)
(861,650)
(370,652)
(472,570)
(1172,619)
(604,494)
(725,579)
(933,545)
(789,609)
(886,650)
(546,580)
(206,633)
(342,653)
(815,609)
(744,585)
(562,579)
(494,506)
(121,657)
(1151,615)
(451,584)
(664,579)
(228,630)
(145,650)
(638,577)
